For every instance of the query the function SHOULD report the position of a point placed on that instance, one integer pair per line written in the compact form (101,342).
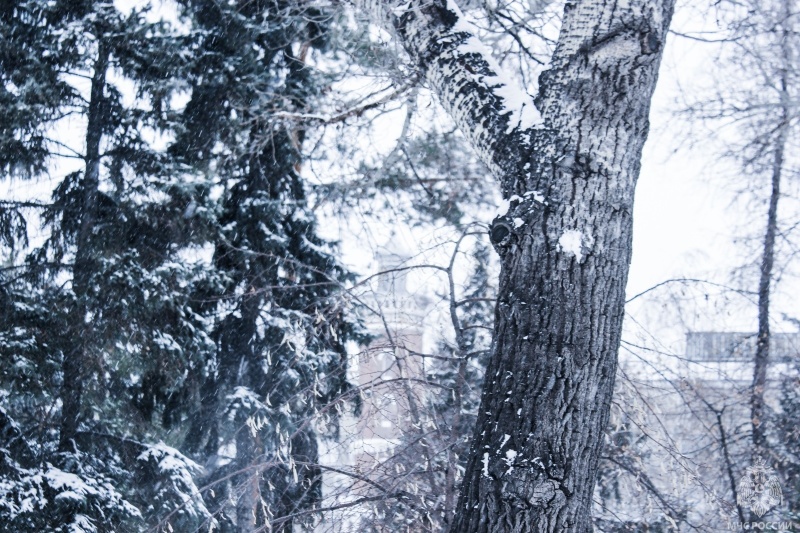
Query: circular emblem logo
(759,489)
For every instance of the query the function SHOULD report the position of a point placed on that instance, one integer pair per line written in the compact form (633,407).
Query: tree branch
(487,105)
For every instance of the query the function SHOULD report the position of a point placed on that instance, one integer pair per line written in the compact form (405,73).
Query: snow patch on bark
(571,242)
(502,210)
(537,196)
(511,456)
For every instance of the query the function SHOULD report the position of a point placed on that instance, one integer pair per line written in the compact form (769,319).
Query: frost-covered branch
(488,106)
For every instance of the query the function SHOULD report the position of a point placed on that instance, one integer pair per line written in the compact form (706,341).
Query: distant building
(683,426)
(722,359)
(718,346)
(385,374)
(386,370)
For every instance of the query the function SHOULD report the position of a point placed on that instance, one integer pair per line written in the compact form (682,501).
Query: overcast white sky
(681,216)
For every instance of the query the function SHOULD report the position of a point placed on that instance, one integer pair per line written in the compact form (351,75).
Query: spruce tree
(100,339)
(281,330)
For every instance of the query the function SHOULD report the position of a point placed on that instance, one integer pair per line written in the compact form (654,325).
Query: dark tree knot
(500,232)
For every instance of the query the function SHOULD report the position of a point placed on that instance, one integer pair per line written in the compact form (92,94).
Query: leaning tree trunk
(761,360)
(568,174)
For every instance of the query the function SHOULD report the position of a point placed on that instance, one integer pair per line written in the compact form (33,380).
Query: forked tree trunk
(569,173)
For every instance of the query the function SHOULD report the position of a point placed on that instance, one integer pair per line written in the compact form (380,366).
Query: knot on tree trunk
(516,219)
(501,234)
(527,488)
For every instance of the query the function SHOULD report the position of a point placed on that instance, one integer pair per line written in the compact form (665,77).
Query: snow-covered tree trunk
(568,169)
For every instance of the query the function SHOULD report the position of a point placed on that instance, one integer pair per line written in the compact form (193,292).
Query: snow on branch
(491,110)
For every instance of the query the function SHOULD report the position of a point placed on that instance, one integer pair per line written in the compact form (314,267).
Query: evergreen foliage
(180,298)
(100,333)
(280,329)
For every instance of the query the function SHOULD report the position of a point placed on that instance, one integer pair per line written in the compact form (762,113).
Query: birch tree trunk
(568,168)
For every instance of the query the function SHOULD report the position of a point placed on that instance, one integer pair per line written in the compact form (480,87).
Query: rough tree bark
(567,169)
